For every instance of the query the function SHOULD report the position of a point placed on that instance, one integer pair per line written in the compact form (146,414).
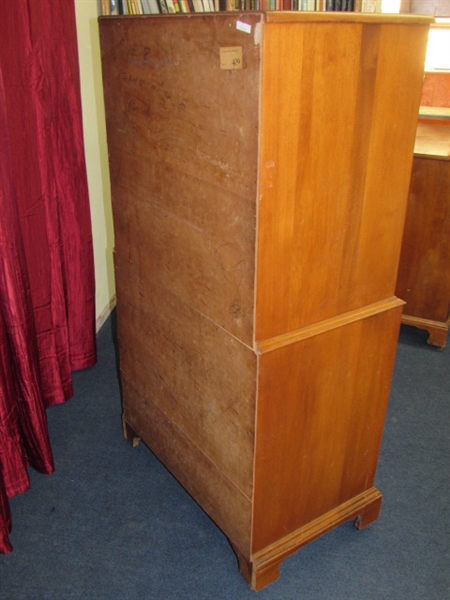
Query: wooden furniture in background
(424,271)
(435,91)
(260,165)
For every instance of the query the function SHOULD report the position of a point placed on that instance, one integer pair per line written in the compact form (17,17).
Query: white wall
(96,155)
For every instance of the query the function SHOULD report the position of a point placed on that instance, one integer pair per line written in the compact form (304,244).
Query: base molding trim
(437,330)
(100,321)
(264,566)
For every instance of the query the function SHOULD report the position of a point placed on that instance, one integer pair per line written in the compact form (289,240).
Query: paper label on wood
(245,27)
(231,57)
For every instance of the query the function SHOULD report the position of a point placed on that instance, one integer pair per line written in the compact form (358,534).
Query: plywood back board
(183,141)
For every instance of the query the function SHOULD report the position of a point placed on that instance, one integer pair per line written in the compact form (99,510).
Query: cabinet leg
(262,568)
(129,433)
(258,577)
(438,338)
(437,331)
(263,577)
(369,513)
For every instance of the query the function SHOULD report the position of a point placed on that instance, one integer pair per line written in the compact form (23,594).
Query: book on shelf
(154,7)
(111,7)
(369,6)
(172,6)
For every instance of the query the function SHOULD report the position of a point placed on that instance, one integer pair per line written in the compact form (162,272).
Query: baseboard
(105,314)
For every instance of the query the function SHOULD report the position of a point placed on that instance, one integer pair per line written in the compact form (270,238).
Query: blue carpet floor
(112,524)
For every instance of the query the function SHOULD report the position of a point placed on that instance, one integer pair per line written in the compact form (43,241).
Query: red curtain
(47,296)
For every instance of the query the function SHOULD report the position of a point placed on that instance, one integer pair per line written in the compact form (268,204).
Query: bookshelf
(259,184)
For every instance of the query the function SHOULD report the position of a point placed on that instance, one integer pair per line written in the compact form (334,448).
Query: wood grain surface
(258,216)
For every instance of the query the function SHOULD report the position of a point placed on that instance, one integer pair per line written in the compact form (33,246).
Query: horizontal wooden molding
(425,323)
(280,550)
(345,17)
(292,337)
